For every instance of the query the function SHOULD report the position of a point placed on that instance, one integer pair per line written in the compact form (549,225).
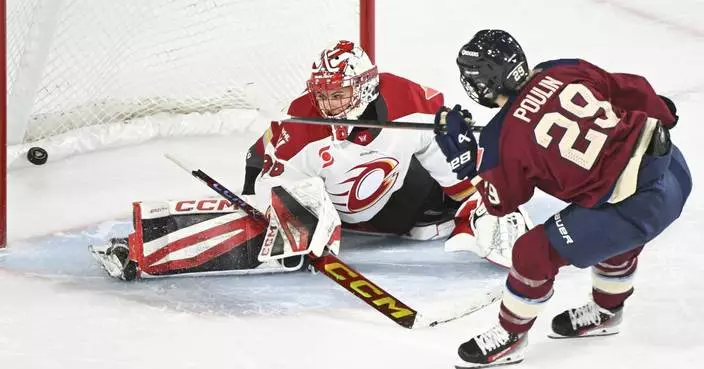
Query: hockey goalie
(375,181)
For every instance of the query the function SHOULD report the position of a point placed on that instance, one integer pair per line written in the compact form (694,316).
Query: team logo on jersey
(375,180)
(326,156)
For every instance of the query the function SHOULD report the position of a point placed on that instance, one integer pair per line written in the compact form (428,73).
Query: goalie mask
(343,82)
(492,63)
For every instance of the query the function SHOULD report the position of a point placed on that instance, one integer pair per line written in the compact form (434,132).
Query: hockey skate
(492,348)
(113,257)
(585,321)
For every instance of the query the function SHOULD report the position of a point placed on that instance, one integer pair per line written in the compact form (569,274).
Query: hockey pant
(607,238)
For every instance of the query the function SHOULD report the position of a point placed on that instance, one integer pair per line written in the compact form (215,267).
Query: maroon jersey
(575,131)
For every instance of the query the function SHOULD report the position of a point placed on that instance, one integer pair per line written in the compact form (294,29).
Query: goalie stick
(350,279)
(369,123)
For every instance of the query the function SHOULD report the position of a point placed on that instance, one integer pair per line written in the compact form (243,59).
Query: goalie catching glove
(213,237)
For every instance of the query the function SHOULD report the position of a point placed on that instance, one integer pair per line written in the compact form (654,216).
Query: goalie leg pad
(189,237)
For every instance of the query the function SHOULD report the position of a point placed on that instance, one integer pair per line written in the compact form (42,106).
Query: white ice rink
(59,310)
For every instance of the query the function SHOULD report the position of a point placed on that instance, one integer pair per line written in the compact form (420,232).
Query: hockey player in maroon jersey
(380,181)
(597,140)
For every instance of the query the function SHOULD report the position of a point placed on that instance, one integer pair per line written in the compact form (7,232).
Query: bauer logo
(562,229)
(473,54)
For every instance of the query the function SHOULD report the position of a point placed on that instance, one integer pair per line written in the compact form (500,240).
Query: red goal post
(3,135)
(77,65)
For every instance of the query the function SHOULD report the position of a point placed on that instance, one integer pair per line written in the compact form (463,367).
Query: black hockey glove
(672,107)
(454,136)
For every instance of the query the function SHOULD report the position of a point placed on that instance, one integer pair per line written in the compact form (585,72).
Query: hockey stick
(350,279)
(369,123)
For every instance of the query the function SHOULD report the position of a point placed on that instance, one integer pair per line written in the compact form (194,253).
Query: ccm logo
(368,291)
(268,241)
(204,205)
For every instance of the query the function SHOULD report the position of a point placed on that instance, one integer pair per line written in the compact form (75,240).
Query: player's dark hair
(492,63)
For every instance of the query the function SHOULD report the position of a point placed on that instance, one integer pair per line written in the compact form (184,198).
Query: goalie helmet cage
(74,65)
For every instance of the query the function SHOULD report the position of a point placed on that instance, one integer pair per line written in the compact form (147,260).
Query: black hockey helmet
(492,63)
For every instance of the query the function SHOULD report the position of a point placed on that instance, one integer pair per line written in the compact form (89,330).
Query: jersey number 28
(589,109)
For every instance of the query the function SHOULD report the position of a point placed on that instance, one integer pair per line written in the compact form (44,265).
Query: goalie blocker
(214,237)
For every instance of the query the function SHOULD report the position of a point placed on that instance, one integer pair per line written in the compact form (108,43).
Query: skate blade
(502,362)
(604,331)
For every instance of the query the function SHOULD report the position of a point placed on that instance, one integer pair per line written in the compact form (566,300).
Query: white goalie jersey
(361,173)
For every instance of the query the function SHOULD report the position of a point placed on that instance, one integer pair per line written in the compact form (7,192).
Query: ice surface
(59,310)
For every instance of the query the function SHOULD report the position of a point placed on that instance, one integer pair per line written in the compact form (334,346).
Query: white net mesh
(75,63)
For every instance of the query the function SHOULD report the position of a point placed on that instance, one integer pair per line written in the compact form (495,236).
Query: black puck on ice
(37,156)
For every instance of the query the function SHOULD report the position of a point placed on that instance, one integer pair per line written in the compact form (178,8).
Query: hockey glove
(672,107)
(455,138)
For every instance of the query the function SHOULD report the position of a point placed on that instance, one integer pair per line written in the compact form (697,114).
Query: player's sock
(587,320)
(492,348)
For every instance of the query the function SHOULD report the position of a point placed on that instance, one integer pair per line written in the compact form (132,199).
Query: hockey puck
(37,156)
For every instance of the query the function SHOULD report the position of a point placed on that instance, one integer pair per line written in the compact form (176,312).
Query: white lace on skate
(586,315)
(492,339)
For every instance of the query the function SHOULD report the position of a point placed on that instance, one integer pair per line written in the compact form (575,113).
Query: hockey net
(78,68)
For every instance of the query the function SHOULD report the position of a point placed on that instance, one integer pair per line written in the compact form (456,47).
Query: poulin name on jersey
(537,97)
